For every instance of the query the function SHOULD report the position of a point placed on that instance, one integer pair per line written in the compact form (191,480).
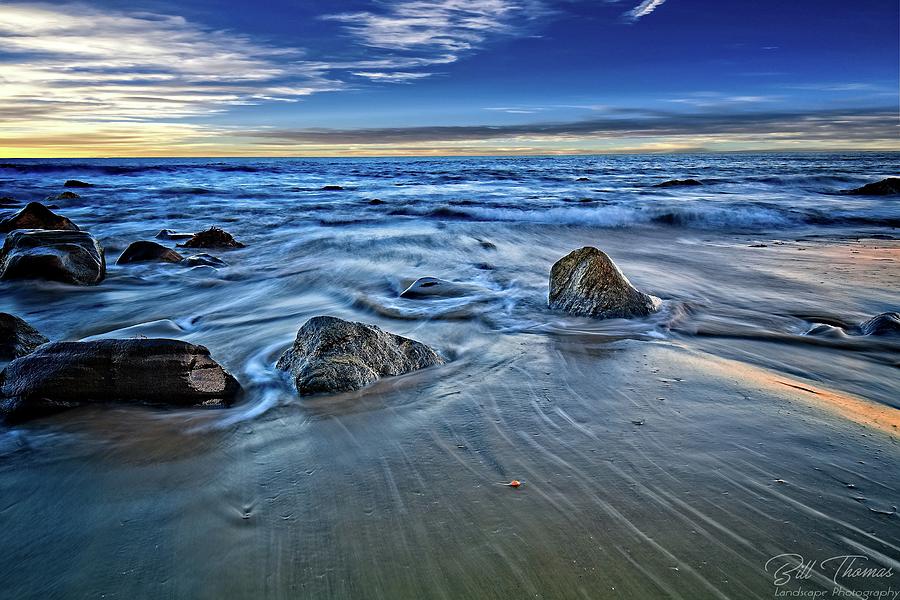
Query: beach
(671,456)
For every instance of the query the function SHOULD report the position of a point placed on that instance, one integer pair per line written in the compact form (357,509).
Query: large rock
(213,237)
(588,283)
(884,324)
(68,256)
(885,187)
(144,251)
(17,338)
(36,216)
(333,355)
(62,375)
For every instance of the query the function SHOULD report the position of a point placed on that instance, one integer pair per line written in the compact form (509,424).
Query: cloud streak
(643,9)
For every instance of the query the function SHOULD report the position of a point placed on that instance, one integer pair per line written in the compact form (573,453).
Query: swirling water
(664,457)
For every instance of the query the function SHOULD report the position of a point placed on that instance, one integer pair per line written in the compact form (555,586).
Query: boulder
(588,283)
(144,251)
(204,260)
(432,287)
(213,237)
(333,355)
(885,187)
(884,324)
(36,216)
(678,183)
(68,256)
(17,338)
(74,183)
(168,234)
(62,375)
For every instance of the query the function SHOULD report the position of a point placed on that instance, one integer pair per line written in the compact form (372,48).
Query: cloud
(643,9)
(393,77)
(72,62)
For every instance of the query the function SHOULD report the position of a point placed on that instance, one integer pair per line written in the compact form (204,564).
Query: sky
(446,77)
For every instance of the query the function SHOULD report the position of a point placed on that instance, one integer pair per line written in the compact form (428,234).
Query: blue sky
(294,77)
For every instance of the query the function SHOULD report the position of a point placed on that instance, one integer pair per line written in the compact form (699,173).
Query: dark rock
(333,355)
(432,287)
(884,324)
(168,234)
(678,183)
(66,196)
(204,260)
(487,245)
(212,238)
(7,202)
(62,375)
(144,251)
(17,338)
(885,187)
(36,216)
(332,188)
(588,283)
(68,256)
(582,179)
(74,183)
(376,201)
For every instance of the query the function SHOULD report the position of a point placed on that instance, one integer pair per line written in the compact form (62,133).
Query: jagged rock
(74,183)
(36,216)
(884,324)
(588,283)
(678,183)
(68,256)
(204,260)
(17,338)
(168,234)
(885,187)
(144,251)
(432,287)
(213,237)
(62,375)
(333,355)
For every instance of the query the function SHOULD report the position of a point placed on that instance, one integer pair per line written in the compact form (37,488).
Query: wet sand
(668,457)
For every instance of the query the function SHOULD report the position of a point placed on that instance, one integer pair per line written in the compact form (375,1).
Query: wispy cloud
(392,77)
(643,9)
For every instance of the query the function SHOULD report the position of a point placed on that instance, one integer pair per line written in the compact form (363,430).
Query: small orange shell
(514,483)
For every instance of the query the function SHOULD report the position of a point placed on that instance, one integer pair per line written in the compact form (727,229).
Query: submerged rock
(74,183)
(678,183)
(214,237)
(432,287)
(62,375)
(17,338)
(65,196)
(36,216)
(884,324)
(68,256)
(204,260)
(376,201)
(144,251)
(168,234)
(885,187)
(7,202)
(333,355)
(332,188)
(588,283)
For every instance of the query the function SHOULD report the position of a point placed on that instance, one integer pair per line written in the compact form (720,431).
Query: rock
(17,338)
(74,183)
(204,260)
(582,179)
(332,188)
(143,251)
(62,375)
(884,324)
(168,234)
(7,202)
(885,187)
(678,183)
(376,201)
(36,216)
(431,287)
(66,196)
(588,283)
(212,238)
(68,256)
(333,355)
